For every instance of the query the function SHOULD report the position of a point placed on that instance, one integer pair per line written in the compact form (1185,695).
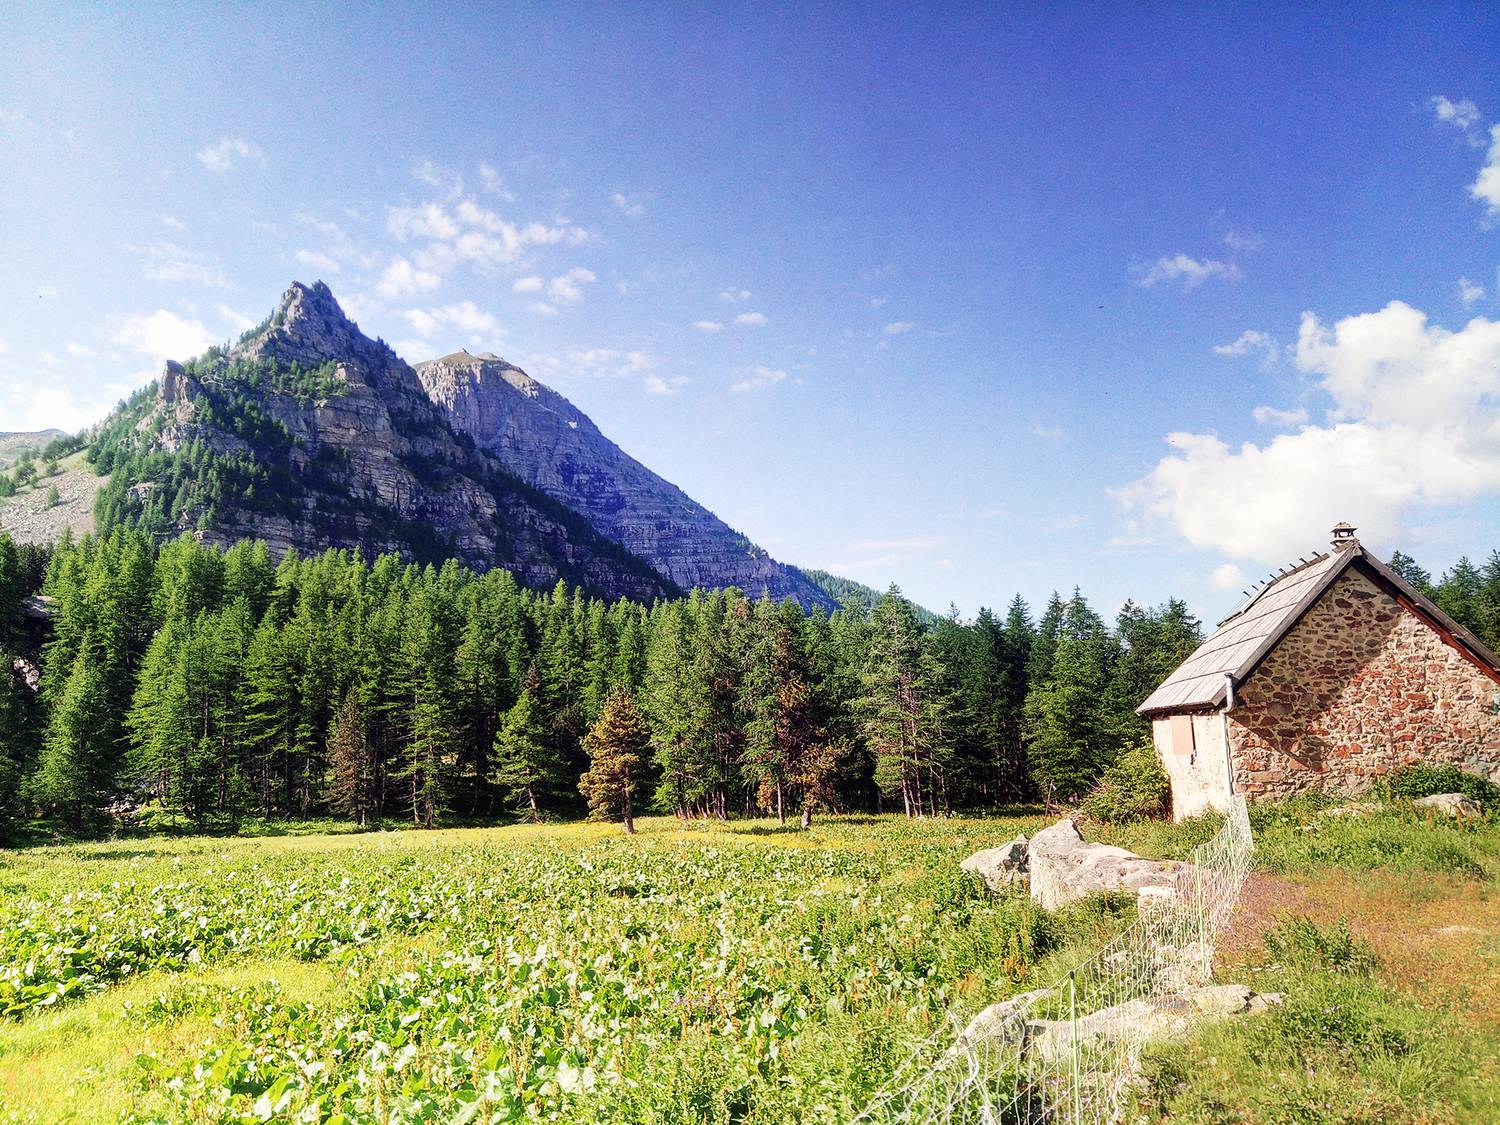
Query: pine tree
(1071,735)
(80,757)
(616,745)
(348,787)
(526,765)
(903,720)
(778,701)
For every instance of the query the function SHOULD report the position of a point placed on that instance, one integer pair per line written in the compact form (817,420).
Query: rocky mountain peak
(309,327)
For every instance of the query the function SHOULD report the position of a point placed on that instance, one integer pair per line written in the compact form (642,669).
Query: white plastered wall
(1193,751)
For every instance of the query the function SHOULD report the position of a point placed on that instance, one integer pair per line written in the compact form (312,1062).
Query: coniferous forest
(180,686)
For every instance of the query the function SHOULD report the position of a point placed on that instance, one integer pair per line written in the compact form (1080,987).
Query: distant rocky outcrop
(552,445)
(309,435)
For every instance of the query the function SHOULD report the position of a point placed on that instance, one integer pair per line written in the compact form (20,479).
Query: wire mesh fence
(1068,1052)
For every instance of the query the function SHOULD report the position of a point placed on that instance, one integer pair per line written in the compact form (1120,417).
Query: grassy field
(734,973)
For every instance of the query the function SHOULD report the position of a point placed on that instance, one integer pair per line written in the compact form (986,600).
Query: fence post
(1073,1028)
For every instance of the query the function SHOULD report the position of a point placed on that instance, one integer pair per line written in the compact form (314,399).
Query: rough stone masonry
(1360,686)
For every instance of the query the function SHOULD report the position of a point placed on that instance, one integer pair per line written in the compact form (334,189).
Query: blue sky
(977,302)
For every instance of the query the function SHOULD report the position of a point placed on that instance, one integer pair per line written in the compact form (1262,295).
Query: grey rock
(553,446)
(1452,804)
(1002,867)
(1065,869)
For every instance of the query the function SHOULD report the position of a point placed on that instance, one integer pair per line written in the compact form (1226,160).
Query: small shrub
(1299,943)
(1134,788)
(1423,780)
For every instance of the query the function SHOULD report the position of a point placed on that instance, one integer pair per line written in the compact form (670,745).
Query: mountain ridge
(552,445)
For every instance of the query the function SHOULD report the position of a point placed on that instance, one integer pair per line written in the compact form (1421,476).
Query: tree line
(188,686)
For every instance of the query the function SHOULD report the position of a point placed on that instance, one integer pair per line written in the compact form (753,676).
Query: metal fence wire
(1069,1052)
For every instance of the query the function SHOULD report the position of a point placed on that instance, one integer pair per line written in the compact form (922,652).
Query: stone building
(1332,673)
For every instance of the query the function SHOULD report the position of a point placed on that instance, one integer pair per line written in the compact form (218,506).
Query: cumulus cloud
(1227,576)
(898,327)
(1192,272)
(758,378)
(1470,292)
(1273,416)
(567,288)
(1463,114)
(1486,188)
(465,318)
(163,335)
(317,260)
(224,156)
(1411,424)
(659,385)
(734,296)
(402,279)
(463,232)
(234,318)
(753,319)
(531,284)
(1243,241)
(708,326)
(1252,342)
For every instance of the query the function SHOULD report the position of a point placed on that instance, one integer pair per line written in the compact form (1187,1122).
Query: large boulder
(1000,868)
(1064,868)
(1451,804)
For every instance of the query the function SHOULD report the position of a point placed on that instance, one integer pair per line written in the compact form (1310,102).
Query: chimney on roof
(1344,537)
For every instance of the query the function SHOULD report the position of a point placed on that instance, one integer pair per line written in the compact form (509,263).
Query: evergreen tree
(616,745)
(1072,737)
(526,763)
(351,775)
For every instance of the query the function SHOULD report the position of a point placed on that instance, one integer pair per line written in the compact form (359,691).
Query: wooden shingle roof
(1245,637)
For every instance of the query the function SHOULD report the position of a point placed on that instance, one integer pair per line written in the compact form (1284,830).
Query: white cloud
(65,404)
(734,296)
(491,180)
(908,544)
(174,223)
(542,308)
(898,327)
(164,335)
(1048,433)
(81,351)
(166,261)
(223,156)
(469,233)
(234,318)
(1463,114)
(317,260)
(527,285)
(402,279)
(1470,292)
(1252,341)
(1412,425)
(657,385)
(438,176)
(465,318)
(1486,189)
(628,206)
(1227,576)
(1192,272)
(708,326)
(429,220)
(1243,241)
(751,318)
(1282,419)
(567,289)
(758,378)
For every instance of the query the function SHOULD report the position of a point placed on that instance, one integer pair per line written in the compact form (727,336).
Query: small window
(1183,737)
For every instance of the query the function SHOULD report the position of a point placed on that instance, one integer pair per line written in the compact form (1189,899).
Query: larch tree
(617,745)
(348,787)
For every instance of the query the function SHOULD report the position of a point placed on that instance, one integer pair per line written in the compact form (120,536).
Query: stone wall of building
(1359,687)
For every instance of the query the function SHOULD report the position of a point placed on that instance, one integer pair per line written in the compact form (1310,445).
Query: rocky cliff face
(548,442)
(338,430)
